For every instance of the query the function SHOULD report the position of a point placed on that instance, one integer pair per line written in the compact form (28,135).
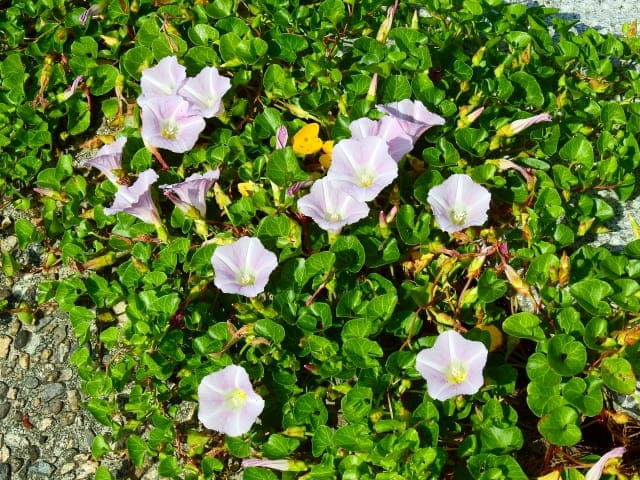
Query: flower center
(333,216)
(366,179)
(245,278)
(235,399)
(169,131)
(458,216)
(456,372)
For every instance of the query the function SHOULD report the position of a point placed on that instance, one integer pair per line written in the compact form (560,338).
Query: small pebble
(45,424)
(66,374)
(25,361)
(22,339)
(5,471)
(4,409)
(5,341)
(72,400)
(42,468)
(12,394)
(51,391)
(30,382)
(4,388)
(56,407)
(4,454)
(45,355)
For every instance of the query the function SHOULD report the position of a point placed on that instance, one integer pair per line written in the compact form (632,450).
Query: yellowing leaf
(306,140)
(555,475)
(246,188)
(495,334)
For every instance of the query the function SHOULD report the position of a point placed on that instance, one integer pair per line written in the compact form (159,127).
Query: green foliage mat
(331,345)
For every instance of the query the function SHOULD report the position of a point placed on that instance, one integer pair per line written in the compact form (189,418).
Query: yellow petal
(246,188)
(306,140)
(327,147)
(555,475)
(325,160)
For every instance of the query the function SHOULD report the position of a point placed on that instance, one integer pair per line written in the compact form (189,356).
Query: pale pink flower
(205,92)
(458,203)
(136,199)
(192,192)
(90,12)
(163,80)
(330,207)
(282,135)
(518,126)
(595,472)
(243,267)
(362,168)
(227,402)
(453,366)
(387,128)
(413,116)
(109,160)
(284,465)
(168,122)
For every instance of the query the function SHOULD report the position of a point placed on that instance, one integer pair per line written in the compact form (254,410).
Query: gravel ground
(44,432)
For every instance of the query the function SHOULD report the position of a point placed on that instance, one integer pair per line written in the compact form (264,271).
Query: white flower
(458,203)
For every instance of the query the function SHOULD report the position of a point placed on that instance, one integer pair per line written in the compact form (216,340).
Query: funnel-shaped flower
(330,207)
(169,122)
(387,128)
(205,92)
(413,116)
(243,267)
(362,168)
(595,472)
(282,135)
(227,402)
(136,200)
(458,203)
(109,159)
(453,366)
(518,126)
(192,192)
(163,80)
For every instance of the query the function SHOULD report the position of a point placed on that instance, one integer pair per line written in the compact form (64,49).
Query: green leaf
(590,294)
(531,87)
(169,467)
(256,473)
(135,60)
(523,325)
(279,446)
(283,168)
(586,397)
(137,449)
(566,355)
(362,352)
(561,426)
(396,88)
(332,10)
(353,437)
(26,233)
(270,329)
(349,254)
(356,404)
(578,150)
(103,473)
(412,230)
(490,287)
(322,440)
(618,375)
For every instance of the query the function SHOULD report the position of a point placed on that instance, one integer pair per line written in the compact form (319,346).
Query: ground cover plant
(349,239)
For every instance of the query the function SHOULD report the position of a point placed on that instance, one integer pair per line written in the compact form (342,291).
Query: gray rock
(51,391)
(4,388)
(30,382)
(4,409)
(42,468)
(5,471)
(22,339)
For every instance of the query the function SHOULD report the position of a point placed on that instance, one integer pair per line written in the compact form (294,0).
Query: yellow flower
(306,141)
(325,158)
